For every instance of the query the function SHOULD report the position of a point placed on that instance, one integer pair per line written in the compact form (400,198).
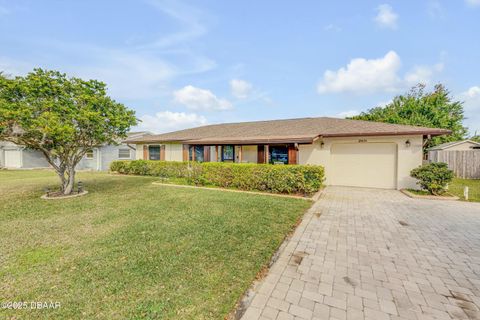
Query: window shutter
(206,153)
(261,153)
(185,152)
(292,155)
(145,152)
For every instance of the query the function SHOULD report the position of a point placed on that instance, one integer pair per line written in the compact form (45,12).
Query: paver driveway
(376,254)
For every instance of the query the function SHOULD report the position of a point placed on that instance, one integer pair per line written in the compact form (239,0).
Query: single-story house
(353,152)
(13,156)
(463,145)
(463,157)
(99,158)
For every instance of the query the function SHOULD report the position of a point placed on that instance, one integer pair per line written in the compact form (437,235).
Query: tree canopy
(60,116)
(436,109)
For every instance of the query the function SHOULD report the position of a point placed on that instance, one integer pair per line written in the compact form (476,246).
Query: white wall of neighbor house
(407,158)
(249,154)
(464,146)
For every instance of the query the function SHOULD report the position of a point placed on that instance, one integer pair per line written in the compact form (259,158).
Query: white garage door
(364,165)
(13,158)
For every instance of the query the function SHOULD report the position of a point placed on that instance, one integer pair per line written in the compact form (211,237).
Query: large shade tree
(436,109)
(60,116)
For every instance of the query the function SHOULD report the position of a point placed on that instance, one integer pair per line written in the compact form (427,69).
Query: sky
(181,64)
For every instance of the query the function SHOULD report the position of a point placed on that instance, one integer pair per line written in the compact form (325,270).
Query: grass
(132,250)
(456,188)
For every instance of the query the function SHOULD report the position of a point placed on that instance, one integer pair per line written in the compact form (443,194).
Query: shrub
(303,179)
(433,177)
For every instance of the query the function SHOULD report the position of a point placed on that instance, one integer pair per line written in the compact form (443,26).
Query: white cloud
(166,121)
(471,98)
(347,114)
(332,27)
(14,67)
(134,71)
(363,75)
(376,75)
(200,99)
(187,16)
(422,74)
(129,75)
(473,3)
(241,89)
(386,17)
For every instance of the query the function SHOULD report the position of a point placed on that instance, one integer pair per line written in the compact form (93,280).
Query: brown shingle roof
(303,130)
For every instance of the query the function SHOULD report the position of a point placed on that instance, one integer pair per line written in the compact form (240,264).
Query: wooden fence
(465,164)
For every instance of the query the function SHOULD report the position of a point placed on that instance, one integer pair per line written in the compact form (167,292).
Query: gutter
(292,139)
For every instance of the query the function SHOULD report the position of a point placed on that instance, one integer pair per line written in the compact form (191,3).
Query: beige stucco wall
(139,152)
(249,154)
(174,152)
(407,157)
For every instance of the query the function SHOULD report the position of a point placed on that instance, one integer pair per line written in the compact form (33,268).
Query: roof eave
(396,133)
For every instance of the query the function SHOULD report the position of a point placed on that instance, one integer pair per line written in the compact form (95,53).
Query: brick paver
(376,254)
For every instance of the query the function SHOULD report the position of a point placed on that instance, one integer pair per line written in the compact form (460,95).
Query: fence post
(465,192)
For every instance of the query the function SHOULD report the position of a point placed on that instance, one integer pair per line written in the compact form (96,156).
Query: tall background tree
(436,109)
(60,116)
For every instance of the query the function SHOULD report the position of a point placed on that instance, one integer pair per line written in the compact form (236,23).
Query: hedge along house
(353,153)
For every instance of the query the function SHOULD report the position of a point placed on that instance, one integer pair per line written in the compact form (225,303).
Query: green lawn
(133,250)
(456,187)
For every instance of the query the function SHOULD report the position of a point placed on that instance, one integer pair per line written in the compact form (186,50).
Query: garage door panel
(364,165)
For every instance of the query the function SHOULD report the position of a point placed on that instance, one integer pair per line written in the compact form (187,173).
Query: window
(278,155)
(89,154)
(196,153)
(154,152)
(123,153)
(228,153)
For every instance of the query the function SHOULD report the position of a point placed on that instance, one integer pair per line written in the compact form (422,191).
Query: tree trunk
(69,182)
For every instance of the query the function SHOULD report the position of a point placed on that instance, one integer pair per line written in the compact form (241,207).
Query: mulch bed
(429,196)
(57,195)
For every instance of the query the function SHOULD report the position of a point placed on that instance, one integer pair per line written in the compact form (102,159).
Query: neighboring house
(99,158)
(13,156)
(463,145)
(463,157)
(353,152)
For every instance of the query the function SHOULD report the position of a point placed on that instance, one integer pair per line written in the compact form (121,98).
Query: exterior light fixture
(80,187)
(322,144)
(407,143)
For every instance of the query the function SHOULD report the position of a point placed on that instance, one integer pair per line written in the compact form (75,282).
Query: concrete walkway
(376,254)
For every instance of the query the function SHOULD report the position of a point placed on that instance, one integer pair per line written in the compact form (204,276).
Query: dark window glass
(279,155)
(228,153)
(198,151)
(154,152)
